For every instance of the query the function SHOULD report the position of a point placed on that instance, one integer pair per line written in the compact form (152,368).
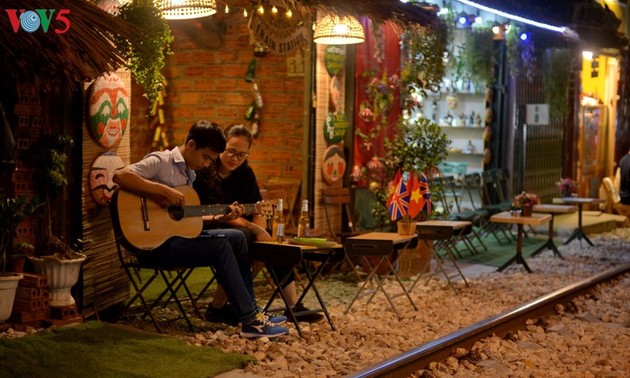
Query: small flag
(416,201)
(398,201)
(423,185)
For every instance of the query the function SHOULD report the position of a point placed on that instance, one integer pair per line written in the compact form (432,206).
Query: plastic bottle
(277,229)
(303,230)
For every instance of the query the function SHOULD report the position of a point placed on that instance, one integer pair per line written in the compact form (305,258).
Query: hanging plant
(479,55)
(520,54)
(556,73)
(423,63)
(146,53)
(513,48)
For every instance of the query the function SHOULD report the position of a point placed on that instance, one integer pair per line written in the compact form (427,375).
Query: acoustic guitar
(145,224)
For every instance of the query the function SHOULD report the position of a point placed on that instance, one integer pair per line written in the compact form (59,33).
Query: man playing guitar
(157,177)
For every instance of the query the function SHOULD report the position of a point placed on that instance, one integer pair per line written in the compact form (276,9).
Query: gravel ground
(372,333)
(589,338)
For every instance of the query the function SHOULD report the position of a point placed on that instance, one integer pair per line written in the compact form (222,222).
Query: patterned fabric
(398,201)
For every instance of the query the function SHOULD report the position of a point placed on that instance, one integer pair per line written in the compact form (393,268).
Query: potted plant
(62,267)
(525,201)
(57,259)
(419,146)
(567,187)
(13,210)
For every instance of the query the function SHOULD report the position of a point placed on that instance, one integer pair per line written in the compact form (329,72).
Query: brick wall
(206,81)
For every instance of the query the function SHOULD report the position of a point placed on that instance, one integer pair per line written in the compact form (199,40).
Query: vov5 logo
(31,20)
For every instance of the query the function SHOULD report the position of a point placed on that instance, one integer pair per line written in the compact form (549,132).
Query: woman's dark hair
(239,130)
(207,134)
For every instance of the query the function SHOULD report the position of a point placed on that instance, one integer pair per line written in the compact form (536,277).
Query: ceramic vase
(526,211)
(8,287)
(62,275)
(406,226)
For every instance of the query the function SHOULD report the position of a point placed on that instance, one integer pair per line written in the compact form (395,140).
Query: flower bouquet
(567,187)
(525,201)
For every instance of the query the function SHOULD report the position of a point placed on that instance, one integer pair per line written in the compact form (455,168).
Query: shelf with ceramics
(462,116)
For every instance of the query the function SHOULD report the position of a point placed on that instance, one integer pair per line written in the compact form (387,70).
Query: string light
(564,30)
(260,9)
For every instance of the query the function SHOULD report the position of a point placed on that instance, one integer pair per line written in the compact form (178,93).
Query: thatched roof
(379,11)
(50,59)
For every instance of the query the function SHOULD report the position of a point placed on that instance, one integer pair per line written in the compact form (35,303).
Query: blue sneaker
(260,326)
(276,319)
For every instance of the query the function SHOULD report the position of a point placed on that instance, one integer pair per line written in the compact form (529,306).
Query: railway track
(419,358)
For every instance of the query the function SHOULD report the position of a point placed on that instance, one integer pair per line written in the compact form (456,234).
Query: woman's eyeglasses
(238,155)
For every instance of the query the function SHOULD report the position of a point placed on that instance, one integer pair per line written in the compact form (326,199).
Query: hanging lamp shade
(186,9)
(335,30)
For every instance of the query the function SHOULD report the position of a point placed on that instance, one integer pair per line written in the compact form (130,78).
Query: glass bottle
(304,226)
(250,76)
(277,229)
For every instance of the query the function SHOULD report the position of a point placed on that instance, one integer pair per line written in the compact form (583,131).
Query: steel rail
(440,349)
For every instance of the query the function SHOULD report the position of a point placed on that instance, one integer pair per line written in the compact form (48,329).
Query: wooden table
(519,220)
(552,210)
(293,255)
(579,231)
(380,245)
(445,234)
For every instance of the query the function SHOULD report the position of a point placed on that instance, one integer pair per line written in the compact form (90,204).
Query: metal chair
(340,198)
(174,278)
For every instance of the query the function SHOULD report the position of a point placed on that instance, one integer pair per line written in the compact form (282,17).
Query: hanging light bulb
(261,9)
(186,9)
(335,30)
(289,14)
(274,10)
(227,8)
(245,13)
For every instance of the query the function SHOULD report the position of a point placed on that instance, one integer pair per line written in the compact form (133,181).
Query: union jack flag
(398,201)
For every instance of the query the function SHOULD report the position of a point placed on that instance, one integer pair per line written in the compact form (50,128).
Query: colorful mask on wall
(333,164)
(101,185)
(108,110)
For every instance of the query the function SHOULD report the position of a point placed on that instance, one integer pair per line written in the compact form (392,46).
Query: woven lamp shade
(335,30)
(186,9)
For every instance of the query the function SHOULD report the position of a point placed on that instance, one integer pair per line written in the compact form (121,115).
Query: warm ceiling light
(335,30)
(186,9)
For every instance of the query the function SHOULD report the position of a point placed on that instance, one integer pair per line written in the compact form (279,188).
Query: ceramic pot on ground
(62,275)
(8,287)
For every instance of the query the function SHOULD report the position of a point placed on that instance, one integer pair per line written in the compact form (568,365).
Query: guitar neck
(216,209)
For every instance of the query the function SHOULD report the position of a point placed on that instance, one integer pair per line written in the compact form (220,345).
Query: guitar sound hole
(176,212)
